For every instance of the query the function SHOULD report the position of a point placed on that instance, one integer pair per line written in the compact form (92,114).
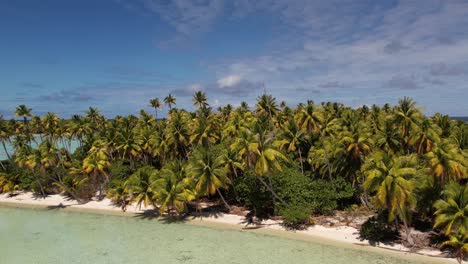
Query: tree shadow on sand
(152,214)
(57,207)
(149,214)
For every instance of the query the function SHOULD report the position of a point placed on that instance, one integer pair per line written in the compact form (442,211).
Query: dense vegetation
(276,160)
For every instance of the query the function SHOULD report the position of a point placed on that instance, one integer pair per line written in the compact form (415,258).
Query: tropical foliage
(272,158)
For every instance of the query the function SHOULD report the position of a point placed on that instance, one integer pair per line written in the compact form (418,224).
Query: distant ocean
(463,118)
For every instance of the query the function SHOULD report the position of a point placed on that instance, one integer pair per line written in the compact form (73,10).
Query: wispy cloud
(31,85)
(403,82)
(442,69)
(188,18)
(66,97)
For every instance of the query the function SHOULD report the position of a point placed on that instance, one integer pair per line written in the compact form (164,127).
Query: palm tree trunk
(271,187)
(272,191)
(224,201)
(71,193)
(3,166)
(325,152)
(407,229)
(300,160)
(40,186)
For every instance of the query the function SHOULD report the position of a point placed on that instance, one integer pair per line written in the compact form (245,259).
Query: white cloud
(364,47)
(195,87)
(229,81)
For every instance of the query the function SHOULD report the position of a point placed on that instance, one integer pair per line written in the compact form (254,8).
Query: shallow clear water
(51,236)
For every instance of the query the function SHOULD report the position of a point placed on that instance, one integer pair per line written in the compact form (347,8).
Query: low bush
(320,196)
(296,216)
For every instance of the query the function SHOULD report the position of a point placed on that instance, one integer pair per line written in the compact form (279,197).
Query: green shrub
(248,190)
(320,196)
(296,216)
(120,170)
(80,185)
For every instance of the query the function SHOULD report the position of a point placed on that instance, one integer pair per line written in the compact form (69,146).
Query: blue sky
(64,56)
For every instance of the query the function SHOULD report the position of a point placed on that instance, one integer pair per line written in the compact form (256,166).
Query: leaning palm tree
(452,210)
(155,103)
(169,101)
(264,158)
(391,178)
(208,170)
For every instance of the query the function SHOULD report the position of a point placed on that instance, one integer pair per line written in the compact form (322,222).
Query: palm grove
(273,159)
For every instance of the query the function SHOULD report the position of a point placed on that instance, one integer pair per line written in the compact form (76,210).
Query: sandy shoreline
(345,236)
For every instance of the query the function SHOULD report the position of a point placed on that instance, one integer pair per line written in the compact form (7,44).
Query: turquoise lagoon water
(57,236)
(9,148)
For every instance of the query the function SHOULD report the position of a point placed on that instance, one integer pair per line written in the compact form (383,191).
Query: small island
(386,176)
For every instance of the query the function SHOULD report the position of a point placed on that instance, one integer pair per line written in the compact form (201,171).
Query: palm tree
(266,105)
(244,106)
(408,117)
(78,128)
(155,104)
(94,116)
(446,162)
(291,139)
(128,144)
(391,178)
(24,112)
(119,195)
(177,133)
(199,99)
(204,130)
(387,138)
(140,186)
(208,170)
(169,101)
(96,164)
(232,162)
(452,210)
(425,140)
(267,158)
(31,160)
(355,143)
(50,124)
(459,243)
(173,190)
(445,123)
(309,120)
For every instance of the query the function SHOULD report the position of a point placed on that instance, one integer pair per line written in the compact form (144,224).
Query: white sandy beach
(342,234)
